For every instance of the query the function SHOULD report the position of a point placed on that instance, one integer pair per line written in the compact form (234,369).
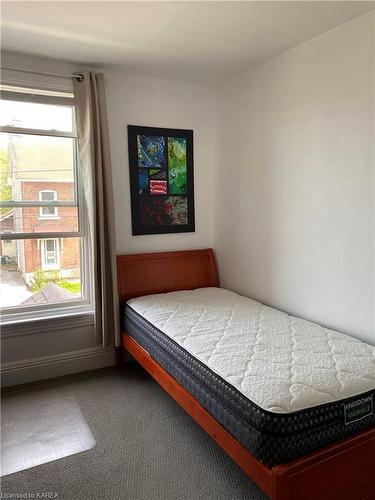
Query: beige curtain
(95,159)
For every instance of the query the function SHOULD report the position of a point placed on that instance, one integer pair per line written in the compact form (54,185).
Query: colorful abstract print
(142,181)
(177,165)
(158,187)
(163,211)
(162,174)
(151,151)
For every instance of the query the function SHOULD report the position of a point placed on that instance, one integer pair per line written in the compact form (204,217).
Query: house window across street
(48,195)
(44,252)
(50,254)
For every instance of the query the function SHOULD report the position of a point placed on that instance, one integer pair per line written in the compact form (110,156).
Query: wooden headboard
(148,273)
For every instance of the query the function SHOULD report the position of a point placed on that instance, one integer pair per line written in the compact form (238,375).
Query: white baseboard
(30,370)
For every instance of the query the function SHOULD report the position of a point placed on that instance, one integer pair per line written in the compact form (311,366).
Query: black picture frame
(171,209)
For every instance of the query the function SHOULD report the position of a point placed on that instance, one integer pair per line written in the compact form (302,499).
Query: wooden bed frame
(344,470)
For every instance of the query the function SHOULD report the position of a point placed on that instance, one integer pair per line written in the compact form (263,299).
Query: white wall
(294,204)
(138,100)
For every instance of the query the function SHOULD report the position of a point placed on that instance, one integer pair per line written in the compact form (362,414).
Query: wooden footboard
(345,470)
(342,471)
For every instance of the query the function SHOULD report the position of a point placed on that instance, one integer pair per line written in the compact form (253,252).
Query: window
(44,253)
(51,196)
(50,254)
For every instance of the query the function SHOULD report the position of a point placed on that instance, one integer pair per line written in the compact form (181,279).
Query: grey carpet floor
(147,447)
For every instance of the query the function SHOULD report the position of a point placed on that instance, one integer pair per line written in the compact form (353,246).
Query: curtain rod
(79,76)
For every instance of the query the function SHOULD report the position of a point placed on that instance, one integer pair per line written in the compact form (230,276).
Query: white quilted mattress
(279,362)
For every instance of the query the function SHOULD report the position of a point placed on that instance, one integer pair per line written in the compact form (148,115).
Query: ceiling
(197,41)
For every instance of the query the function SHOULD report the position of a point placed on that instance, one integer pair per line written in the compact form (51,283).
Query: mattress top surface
(281,363)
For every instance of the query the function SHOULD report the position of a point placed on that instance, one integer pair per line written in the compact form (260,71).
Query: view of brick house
(49,254)
(42,169)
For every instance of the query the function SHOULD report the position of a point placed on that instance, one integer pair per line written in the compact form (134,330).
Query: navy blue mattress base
(272,438)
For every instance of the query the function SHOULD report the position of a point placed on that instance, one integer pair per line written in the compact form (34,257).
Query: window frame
(85,304)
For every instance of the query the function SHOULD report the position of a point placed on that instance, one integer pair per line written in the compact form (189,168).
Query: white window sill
(49,217)
(56,319)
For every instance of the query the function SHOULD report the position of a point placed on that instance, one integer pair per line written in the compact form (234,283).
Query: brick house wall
(33,221)
(69,254)
(32,256)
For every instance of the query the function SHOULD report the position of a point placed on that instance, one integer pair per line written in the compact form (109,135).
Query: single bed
(270,388)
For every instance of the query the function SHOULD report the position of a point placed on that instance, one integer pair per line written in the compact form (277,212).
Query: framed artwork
(161,180)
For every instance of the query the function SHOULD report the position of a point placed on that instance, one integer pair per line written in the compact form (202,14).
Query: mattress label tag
(356,410)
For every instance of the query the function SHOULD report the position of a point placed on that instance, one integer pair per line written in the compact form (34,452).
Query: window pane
(48,195)
(30,164)
(39,271)
(39,220)
(50,245)
(35,115)
(48,211)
